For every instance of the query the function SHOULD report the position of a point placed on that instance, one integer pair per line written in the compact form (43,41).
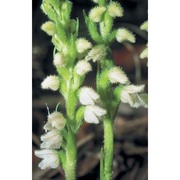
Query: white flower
(144,54)
(55,120)
(83,45)
(49,27)
(123,34)
(97,53)
(144,26)
(59,60)
(95,1)
(115,9)
(88,96)
(51,140)
(117,75)
(92,113)
(50,158)
(51,82)
(83,67)
(96,13)
(129,95)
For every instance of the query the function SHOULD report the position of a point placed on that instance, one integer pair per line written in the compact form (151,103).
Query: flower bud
(51,82)
(92,113)
(95,1)
(97,53)
(49,27)
(117,75)
(88,96)
(115,9)
(123,34)
(144,54)
(59,60)
(82,45)
(96,13)
(50,158)
(83,67)
(144,26)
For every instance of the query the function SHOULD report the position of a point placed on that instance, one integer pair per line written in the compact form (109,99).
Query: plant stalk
(108,148)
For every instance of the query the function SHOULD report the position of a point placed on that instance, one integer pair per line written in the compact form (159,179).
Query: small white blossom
(59,60)
(95,1)
(83,67)
(129,94)
(51,82)
(97,53)
(96,13)
(49,27)
(144,54)
(50,158)
(144,26)
(117,75)
(83,45)
(92,113)
(123,34)
(115,9)
(88,96)
(55,120)
(51,140)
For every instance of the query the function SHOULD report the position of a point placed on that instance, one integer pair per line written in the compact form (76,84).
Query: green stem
(108,148)
(71,148)
(71,154)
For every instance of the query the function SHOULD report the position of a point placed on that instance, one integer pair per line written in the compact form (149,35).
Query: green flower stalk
(112,83)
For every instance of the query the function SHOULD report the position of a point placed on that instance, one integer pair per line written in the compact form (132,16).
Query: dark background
(130,154)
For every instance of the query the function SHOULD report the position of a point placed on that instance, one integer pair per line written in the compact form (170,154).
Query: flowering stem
(71,149)
(108,148)
(71,154)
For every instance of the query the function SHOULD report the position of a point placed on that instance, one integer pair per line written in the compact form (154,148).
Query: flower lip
(92,114)
(88,96)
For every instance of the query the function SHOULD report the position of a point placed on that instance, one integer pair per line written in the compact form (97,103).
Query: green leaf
(48,10)
(79,117)
(93,29)
(62,157)
(112,36)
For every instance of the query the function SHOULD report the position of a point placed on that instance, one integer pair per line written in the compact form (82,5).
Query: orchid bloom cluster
(73,58)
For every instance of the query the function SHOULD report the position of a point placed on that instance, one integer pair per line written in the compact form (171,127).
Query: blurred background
(131,125)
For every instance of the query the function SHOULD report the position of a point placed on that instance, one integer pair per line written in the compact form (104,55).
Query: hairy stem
(71,154)
(108,148)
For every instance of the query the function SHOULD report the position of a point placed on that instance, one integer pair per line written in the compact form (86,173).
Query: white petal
(88,96)
(83,45)
(134,88)
(124,35)
(57,120)
(59,60)
(90,117)
(51,82)
(83,67)
(92,113)
(117,75)
(126,97)
(96,13)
